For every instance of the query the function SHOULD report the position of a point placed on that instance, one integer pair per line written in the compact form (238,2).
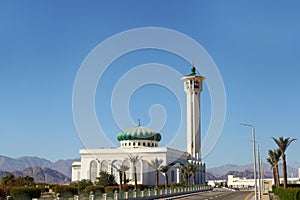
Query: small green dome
(139,133)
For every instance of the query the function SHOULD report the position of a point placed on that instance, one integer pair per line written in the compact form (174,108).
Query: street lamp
(254,155)
(259,174)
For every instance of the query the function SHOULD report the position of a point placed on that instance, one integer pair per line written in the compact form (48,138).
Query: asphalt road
(216,194)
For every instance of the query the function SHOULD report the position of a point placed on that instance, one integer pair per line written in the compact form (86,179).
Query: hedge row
(95,188)
(31,192)
(288,194)
(63,189)
(2,195)
(107,189)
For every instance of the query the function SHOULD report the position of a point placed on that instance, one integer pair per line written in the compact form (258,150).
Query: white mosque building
(143,142)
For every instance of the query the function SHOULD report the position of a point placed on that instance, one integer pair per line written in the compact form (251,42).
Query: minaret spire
(139,122)
(193,70)
(193,88)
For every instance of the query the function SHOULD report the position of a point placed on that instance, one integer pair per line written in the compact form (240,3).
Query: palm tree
(121,169)
(273,159)
(283,144)
(186,174)
(189,170)
(134,159)
(156,164)
(164,169)
(194,170)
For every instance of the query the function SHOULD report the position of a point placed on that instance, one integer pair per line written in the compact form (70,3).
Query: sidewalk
(263,197)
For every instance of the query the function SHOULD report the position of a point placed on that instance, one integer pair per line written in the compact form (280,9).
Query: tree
(194,170)
(121,170)
(283,144)
(11,180)
(8,180)
(82,184)
(156,164)
(189,170)
(164,169)
(105,179)
(24,181)
(273,159)
(134,159)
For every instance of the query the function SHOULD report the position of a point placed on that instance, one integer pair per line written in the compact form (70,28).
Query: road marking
(247,197)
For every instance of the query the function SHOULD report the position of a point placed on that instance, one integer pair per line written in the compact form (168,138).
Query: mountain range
(41,169)
(44,170)
(40,175)
(220,173)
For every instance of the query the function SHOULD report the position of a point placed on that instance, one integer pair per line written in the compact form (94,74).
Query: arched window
(127,175)
(172,176)
(93,170)
(144,144)
(104,166)
(114,171)
(139,171)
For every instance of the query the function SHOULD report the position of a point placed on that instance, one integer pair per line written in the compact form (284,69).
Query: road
(216,194)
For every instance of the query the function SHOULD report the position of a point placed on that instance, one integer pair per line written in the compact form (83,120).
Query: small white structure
(238,182)
(143,142)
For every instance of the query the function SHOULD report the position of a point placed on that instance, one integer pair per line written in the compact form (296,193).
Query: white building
(143,142)
(238,182)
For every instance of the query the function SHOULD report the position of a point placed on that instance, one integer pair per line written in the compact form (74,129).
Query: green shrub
(52,186)
(174,185)
(65,189)
(108,189)
(22,197)
(1,194)
(142,186)
(127,187)
(273,188)
(95,188)
(5,191)
(105,179)
(161,186)
(30,192)
(82,184)
(287,194)
(98,193)
(293,186)
(297,195)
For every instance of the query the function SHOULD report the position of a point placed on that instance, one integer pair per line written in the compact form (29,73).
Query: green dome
(139,133)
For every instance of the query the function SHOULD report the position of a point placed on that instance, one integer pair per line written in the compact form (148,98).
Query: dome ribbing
(139,133)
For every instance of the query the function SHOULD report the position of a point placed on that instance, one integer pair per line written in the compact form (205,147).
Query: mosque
(143,142)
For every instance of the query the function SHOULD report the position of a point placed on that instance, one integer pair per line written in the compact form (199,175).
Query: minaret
(193,88)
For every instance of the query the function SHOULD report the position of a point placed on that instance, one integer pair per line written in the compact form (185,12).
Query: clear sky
(254,44)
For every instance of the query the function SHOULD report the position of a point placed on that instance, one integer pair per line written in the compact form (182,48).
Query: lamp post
(254,156)
(259,173)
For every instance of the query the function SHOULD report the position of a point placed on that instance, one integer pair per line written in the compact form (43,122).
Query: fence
(146,194)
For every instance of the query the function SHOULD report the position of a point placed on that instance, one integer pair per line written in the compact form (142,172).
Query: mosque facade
(143,142)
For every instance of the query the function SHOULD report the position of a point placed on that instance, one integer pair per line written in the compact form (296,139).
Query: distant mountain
(14,164)
(64,166)
(40,175)
(210,176)
(244,171)
(8,164)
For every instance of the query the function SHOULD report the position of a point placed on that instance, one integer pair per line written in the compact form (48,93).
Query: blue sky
(43,43)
